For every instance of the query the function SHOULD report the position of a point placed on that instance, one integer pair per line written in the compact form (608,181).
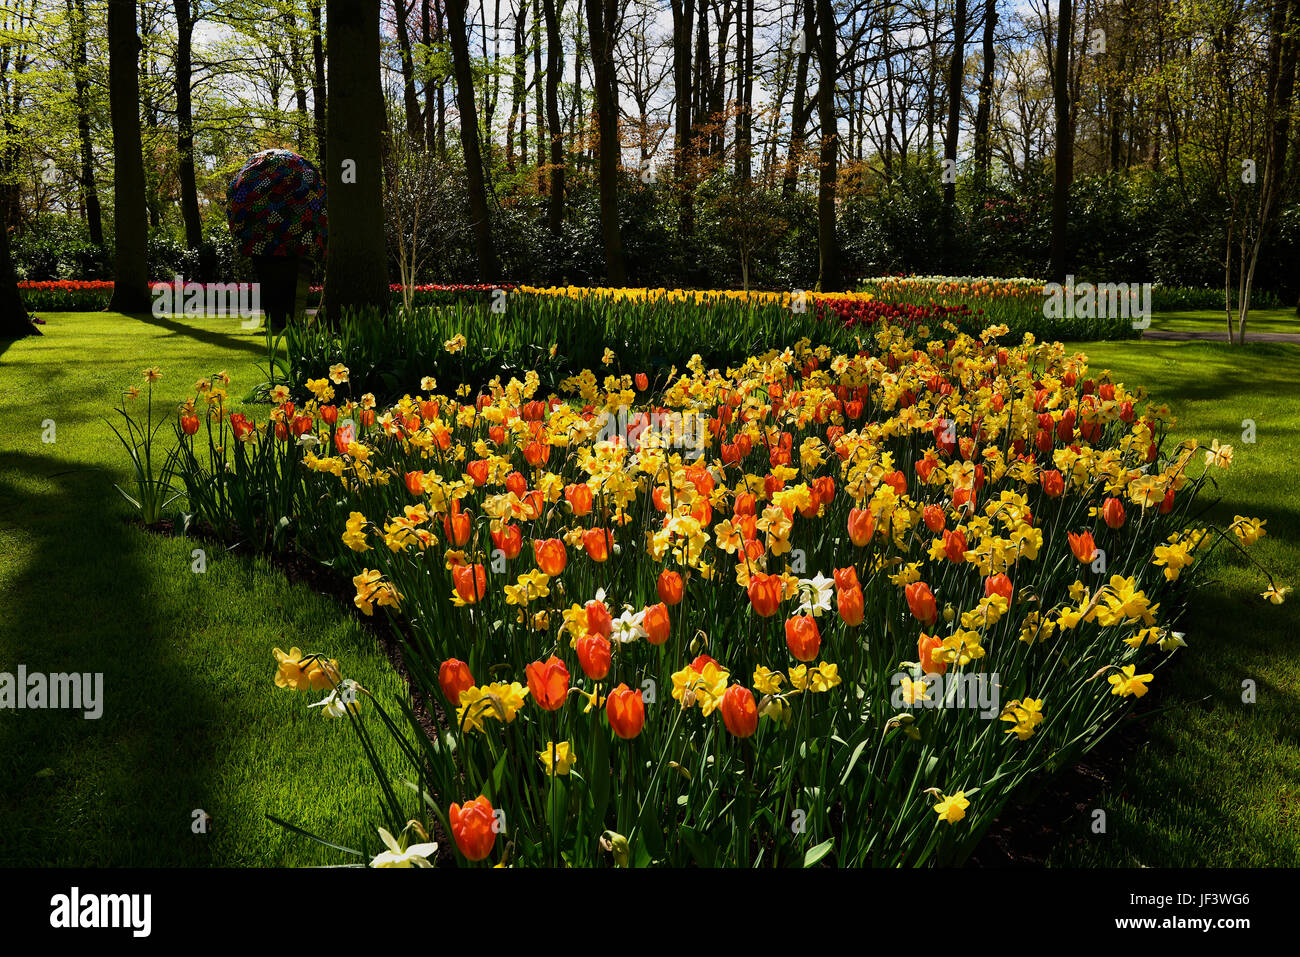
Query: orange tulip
(474,827)
(934,518)
(626,711)
(477,471)
(537,453)
(848,595)
(998,585)
(551,555)
(921,601)
(802,637)
(594,655)
(1084,548)
(669,587)
(190,423)
(456,525)
(579,498)
(598,618)
(548,683)
(470,582)
(509,539)
(657,624)
(454,677)
(739,711)
(765,593)
(926,646)
(954,546)
(642,381)
(1112,512)
(516,483)
(1052,482)
(862,525)
(596,542)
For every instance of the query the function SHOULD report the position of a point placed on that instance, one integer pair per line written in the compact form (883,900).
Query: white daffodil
(417,855)
(1172,640)
(627,627)
(338,701)
(817,593)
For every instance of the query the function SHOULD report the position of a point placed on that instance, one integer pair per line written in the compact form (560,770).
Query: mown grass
(192,719)
(1215,781)
(1213,320)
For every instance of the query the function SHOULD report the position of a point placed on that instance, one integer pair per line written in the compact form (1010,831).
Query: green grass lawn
(192,719)
(1215,781)
(1213,320)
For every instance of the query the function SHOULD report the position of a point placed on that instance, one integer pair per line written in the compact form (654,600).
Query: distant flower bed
(74,295)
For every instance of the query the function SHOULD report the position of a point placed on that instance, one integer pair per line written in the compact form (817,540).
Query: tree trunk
(14,321)
(410,101)
(469,140)
(356,263)
(554,71)
(130,216)
(1064,172)
(89,191)
(828,279)
(602,21)
(799,109)
(318,94)
(956,73)
(683,33)
(185,125)
(983,109)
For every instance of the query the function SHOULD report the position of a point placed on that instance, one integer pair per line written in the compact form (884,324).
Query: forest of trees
(686,142)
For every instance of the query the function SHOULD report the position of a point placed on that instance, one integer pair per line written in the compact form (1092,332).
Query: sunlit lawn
(191,717)
(1216,781)
(1210,320)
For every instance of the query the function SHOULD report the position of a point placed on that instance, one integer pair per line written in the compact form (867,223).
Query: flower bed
(818,607)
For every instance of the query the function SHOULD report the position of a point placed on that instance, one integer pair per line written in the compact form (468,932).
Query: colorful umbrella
(276,206)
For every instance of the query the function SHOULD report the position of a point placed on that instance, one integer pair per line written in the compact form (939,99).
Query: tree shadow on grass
(211,337)
(118,790)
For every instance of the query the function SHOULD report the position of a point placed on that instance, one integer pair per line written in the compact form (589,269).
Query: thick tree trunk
(1064,172)
(356,264)
(130,215)
(14,321)
(683,33)
(554,71)
(89,191)
(469,141)
(185,125)
(318,89)
(828,248)
(602,21)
